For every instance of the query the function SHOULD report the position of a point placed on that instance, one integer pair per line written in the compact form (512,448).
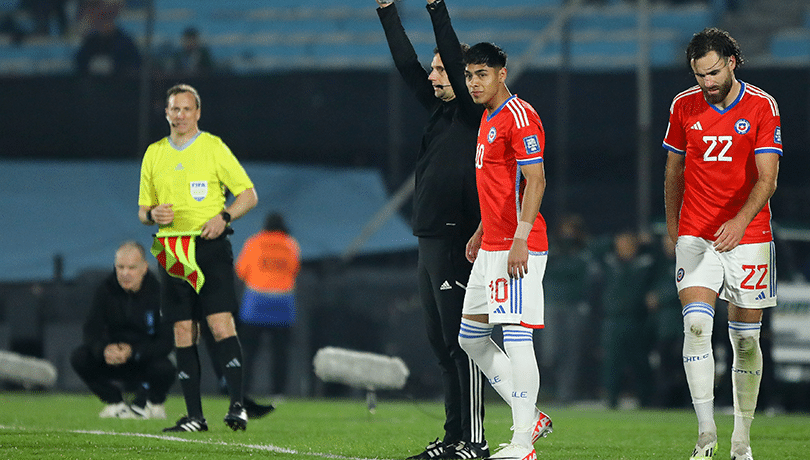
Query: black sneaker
(188,424)
(237,417)
(255,410)
(466,450)
(433,450)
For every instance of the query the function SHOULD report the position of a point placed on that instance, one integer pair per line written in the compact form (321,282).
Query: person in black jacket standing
(126,341)
(445,215)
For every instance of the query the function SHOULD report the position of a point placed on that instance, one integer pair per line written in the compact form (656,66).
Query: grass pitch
(66,426)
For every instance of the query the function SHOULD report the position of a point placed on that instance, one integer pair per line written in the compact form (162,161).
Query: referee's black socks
(188,373)
(229,355)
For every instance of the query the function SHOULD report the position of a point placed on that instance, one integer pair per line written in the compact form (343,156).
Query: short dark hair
(713,39)
(191,32)
(274,222)
(488,54)
(464,48)
(183,88)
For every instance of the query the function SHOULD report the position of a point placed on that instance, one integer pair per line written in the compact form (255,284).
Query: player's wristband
(149,216)
(523,230)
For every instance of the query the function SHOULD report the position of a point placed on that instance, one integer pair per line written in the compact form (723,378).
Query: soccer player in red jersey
(724,143)
(509,249)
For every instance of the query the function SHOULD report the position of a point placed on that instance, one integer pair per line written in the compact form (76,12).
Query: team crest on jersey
(777,135)
(532,144)
(679,277)
(199,189)
(491,135)
(742,126)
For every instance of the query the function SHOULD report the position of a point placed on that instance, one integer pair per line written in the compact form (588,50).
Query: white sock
(698,362)
(517,340)
(746,375)
(475,339)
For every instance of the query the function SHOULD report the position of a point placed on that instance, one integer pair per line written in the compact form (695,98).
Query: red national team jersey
(720,169)
(512,136)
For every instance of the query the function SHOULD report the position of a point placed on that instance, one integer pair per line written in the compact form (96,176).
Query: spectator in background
(106,50)
(666,323)
(268,265)
(192,58)
(125,340)
(43,10)
(625,343)
(570,270)
(16,22)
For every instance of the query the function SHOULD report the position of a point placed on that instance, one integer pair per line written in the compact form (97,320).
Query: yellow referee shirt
(192,179)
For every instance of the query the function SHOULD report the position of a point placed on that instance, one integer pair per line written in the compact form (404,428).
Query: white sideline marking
(267,447)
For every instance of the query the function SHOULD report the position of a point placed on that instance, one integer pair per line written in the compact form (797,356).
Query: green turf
(38,426)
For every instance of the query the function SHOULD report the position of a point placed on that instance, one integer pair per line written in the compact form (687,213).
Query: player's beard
(720,96)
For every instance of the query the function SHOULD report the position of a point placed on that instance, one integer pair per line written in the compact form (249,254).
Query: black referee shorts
(179,301)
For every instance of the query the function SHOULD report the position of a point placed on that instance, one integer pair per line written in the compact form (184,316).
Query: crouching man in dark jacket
(126,345)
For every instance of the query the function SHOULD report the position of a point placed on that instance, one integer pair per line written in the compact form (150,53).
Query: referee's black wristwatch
(226,216)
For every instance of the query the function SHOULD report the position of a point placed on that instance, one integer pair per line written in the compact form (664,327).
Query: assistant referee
(183,183)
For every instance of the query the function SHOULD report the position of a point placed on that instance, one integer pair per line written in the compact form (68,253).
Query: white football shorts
(490,290)
(744,276)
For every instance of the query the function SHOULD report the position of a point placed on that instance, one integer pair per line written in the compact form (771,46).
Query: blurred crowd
(614,327)
(105,49)
(108,50)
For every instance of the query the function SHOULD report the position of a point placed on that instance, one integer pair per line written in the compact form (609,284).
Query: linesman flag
(176,252)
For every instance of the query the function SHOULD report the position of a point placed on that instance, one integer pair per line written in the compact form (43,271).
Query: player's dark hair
(488,54)
(713,39)
(183,88)
(464,48)
(274,222)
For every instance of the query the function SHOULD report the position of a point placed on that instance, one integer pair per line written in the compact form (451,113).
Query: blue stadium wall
(344,118)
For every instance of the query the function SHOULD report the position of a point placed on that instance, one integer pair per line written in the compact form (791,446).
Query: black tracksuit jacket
(120,316)
(445,198)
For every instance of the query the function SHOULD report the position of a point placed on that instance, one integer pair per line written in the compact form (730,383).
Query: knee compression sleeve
(475,339)
(698,359)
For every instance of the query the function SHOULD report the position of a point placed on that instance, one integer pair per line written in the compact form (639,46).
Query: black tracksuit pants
(442,273)
(151,379)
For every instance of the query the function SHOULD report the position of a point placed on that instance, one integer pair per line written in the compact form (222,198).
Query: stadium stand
(251,37)
(791,46)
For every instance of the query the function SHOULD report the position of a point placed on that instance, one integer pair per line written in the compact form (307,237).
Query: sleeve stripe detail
(530,161)
(688,92)
(768,150)
(673,149)
(753,90)
(519,112)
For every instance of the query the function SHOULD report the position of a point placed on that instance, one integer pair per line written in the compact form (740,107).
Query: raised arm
(453,59)
(405,58)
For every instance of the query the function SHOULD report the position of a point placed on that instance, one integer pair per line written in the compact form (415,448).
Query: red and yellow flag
(176,252)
